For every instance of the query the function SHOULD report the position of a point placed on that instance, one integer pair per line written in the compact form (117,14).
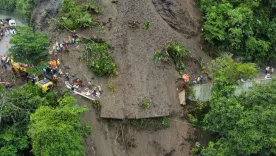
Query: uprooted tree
(172,52)
(99,59)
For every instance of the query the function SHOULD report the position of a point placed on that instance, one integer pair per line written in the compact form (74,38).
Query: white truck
(12,23)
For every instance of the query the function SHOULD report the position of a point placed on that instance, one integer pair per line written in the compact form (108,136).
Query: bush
(172,52)
(99,59)
(149,123)
(112,87)
(78,16)
(165,122)
(147,24)
(146,103)
(97,105)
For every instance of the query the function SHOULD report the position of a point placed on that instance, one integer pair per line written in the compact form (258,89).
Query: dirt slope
(45,10)
(133,50)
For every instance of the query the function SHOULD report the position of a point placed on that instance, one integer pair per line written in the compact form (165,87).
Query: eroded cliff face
(183,16)
(44,11)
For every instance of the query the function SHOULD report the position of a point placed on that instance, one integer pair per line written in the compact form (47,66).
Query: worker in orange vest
(185,77)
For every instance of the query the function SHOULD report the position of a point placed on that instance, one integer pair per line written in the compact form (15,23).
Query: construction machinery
(19,69)
(46,83)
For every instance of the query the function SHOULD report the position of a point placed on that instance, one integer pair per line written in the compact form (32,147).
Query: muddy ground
(132,49)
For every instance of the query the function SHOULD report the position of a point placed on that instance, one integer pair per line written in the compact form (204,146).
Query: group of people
(6,32)
(52,69)
(63,46)
(198,80)
(195,80)
(269,70)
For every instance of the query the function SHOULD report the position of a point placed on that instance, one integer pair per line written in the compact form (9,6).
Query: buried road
(6,38)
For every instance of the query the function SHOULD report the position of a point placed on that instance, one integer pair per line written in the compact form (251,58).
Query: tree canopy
(29,47)
(16,107)
(23,7)
(247,28)
(226,73)
(60,118)
(246,124)
(58,131)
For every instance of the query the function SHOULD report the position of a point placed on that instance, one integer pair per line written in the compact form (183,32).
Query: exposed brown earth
(132,48)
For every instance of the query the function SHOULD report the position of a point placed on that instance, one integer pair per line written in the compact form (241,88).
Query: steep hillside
(132,48)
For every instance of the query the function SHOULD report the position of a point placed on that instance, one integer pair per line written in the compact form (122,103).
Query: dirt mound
(180,15)
(45,10)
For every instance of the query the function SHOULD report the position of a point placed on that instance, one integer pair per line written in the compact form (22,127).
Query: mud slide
(133,48)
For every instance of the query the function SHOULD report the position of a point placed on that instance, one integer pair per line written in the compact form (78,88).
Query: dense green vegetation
(29,46)
(243,125)
(99,59)
(173,52)
(26,104)
(57,131)
(78,16)
(245,27)
(22,7)
(16,107)
(225,74)
(246,124)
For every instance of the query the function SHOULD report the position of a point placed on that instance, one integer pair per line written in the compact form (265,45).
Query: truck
(20,69)
(12,23)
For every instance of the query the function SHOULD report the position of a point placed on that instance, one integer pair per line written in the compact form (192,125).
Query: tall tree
(246,124)
(58,131)
(225,74)
(29,46)
(15,109)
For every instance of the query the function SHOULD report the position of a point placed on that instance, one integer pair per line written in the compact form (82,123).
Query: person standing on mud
(7,85)
(266,70)
(271,70)
(74,34)
(55,53)
(69,39)
(58,62)
(44,72)
(67,77)
(5,66)
(61,46)
(60,72)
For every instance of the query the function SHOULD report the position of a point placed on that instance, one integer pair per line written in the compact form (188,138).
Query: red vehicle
(6,84)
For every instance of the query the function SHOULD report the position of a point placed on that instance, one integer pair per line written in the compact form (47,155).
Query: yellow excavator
(21,70)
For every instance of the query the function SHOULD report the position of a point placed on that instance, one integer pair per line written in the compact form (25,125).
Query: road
(3,15)
(3,47)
